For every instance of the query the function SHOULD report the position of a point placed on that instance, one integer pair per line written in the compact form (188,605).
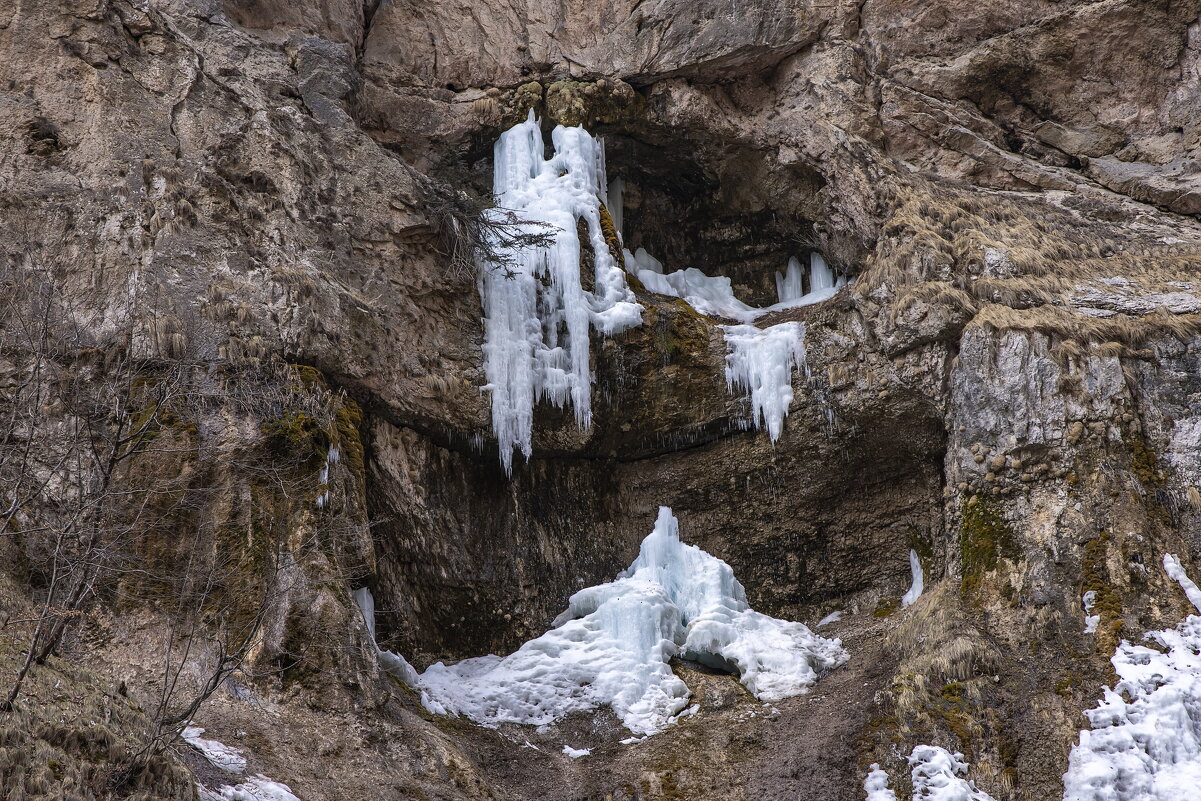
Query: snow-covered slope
(1145,741)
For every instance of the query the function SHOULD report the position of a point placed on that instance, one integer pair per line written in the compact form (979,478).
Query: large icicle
(760,361)
(613,644)
(537,314)
(1145,741)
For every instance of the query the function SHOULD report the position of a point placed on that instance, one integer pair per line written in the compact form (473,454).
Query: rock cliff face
(1011,387)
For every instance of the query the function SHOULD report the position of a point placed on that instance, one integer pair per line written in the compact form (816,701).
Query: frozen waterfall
(613,645)
(537,314)
(761,361)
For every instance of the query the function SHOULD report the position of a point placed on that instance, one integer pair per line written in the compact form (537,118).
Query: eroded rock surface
(1010,387)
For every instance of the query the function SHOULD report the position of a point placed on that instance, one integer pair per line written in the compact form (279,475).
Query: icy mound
(612,647)
(537,313)
(760,361)
(938,776)
(1145,743)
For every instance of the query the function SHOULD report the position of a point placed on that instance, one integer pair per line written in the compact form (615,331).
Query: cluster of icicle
(613,644)
(537,314)
(1145,741)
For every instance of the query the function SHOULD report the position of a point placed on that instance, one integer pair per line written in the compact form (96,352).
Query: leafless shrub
(475,234)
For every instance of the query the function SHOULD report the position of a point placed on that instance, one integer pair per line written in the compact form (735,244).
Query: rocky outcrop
(1008,388)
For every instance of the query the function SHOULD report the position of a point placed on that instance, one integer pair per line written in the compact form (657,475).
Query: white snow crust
(1145,740)
(714,294)
(220,755)
(576,753)
(230,759)
(613,644)
(918,585)
(537,315)
(1090,620)
(876,785)
(255,788)
(760,361)
(938,775)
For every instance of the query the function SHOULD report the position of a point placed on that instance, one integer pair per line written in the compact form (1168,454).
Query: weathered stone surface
(1009,387)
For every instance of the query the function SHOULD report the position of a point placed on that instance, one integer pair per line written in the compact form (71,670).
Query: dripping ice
(613,644)
(537,314)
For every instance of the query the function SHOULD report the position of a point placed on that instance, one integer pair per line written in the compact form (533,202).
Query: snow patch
(255,788)
(876,785)
(938,775)
(761,361)
(613,644)
(576,753)
(833,617)
(1145,737)
(537,314)
(714,295)
(1090,620)
(221,756)
(915,589)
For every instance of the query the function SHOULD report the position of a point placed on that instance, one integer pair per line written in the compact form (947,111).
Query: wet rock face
(1009,388)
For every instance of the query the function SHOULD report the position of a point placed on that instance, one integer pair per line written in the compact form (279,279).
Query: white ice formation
(876,785)
(218,754)
(939,775)
(230,760)
(537,314)
(936,775)
(1090,620)
(1145,740)
(613,644)
(390,661)
(576,753)
(714,294)
(332,457)
(915,589)
(760,361)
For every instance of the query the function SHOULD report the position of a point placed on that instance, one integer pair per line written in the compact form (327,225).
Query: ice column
(820,274)
(915,590)
(537,313)
(760,361)
(788,285)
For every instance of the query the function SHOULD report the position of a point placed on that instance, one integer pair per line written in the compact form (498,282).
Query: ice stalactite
(761,361)
(613,644)
(537,314)
(790,284)
(1145,740)
(331,459)
(392,662)
(918,585)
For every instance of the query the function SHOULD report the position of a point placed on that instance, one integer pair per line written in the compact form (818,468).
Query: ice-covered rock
(761,361)
(613,644)
(1145,740)
(876,785)
(939,775)
(538,316)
